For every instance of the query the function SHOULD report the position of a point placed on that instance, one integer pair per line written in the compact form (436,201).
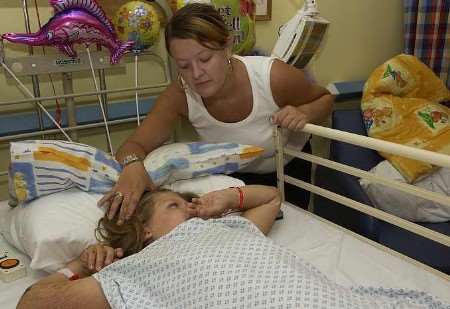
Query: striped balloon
(89,5)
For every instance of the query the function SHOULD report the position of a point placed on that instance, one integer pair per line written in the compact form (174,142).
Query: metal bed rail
(379,145)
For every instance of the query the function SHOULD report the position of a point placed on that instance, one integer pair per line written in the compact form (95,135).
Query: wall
(362,35)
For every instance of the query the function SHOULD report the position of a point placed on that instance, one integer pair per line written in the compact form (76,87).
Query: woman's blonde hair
(130,235)
(200,22)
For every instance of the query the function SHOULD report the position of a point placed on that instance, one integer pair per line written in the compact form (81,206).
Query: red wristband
(241,197)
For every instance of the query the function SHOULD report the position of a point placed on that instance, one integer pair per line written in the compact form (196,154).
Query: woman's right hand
(125,195)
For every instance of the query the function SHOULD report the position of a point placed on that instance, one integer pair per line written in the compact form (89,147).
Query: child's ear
(147,234)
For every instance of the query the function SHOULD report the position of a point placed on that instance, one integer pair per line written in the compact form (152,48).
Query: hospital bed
(342,255)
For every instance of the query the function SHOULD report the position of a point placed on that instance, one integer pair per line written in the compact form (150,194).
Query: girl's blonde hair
(130,235)
(200,22)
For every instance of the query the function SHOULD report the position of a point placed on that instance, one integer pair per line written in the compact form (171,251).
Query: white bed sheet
(343,257)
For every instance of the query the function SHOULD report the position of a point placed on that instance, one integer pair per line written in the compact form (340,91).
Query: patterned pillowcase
(401,104)
(173,162)
(42,167)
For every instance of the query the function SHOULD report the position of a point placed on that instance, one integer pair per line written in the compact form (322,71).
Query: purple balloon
(75,22)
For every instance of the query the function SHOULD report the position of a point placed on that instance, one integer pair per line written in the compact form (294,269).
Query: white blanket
(229,263)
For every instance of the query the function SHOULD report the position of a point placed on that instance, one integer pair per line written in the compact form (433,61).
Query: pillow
(54,229)
(42,167)
(177,161)
(401,104)
(407,77)
(405,205)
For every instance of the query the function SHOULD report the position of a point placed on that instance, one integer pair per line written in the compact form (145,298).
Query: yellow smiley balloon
(138,21)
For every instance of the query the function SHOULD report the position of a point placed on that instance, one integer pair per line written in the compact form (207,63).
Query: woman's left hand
(290,117)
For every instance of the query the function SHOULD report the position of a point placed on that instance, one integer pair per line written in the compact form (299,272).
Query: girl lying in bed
(185,254)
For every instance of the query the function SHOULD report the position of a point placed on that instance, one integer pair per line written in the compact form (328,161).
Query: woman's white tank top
(256,129)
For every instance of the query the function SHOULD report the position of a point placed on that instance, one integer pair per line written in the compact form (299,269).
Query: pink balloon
(75,22)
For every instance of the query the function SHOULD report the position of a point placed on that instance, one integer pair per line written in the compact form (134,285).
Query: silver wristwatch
(132,157)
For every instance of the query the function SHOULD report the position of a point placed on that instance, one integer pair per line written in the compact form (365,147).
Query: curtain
(427,34)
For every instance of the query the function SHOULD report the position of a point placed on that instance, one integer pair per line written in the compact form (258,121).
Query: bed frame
(36,66)
(379,145)
(164,60)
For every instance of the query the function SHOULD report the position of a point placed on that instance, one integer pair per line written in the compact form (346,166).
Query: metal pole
(279,159)
(70,104)
(104,95)
(102,79)
(34,78)
(104,102)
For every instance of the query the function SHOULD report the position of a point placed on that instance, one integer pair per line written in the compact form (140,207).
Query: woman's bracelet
(131,158)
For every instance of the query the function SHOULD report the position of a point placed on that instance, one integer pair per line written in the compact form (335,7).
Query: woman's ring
(118,195)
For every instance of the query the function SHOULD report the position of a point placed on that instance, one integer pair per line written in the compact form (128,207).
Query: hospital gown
(229,263)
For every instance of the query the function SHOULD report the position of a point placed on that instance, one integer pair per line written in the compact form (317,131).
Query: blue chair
(410,244)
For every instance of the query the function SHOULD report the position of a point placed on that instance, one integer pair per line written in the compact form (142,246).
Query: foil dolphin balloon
(75,22)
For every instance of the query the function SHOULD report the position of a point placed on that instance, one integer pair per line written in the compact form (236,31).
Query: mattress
(343,256)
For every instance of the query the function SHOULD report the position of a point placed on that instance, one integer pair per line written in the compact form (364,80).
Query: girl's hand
(216,203)
(290,117)
(96,257)
(125,196)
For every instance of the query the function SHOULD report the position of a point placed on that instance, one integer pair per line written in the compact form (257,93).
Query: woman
(227,99)
(188,262)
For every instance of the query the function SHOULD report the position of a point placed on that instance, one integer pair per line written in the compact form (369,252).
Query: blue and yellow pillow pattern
(42,167)
(173,162)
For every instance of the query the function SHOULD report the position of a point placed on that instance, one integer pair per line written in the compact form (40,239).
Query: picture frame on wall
(263,9)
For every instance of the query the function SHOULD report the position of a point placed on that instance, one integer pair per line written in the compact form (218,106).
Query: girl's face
(169,210)
(205,70)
